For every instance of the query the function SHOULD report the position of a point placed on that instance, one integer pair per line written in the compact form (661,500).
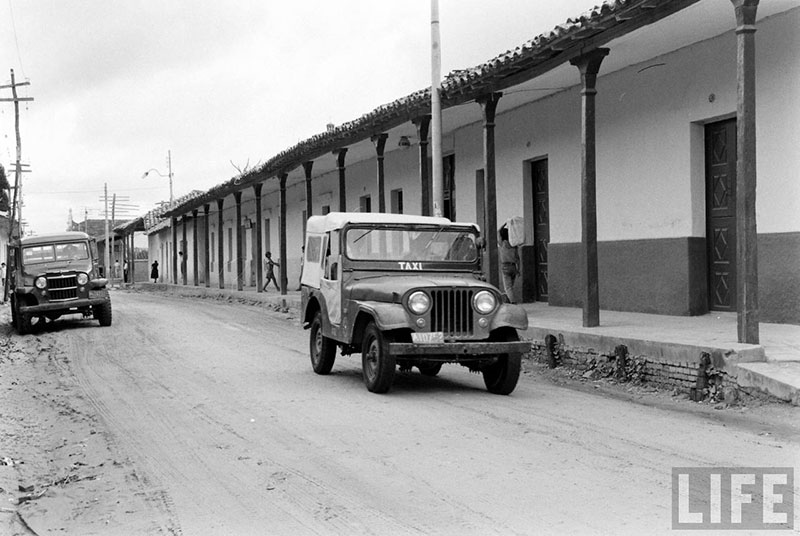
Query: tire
(22,322)
(377,364)
(14,321)
(501,377)
(321,348)
(25,323)
(430,369)
(103,313)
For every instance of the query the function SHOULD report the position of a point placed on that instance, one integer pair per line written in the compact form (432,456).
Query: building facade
(626,139)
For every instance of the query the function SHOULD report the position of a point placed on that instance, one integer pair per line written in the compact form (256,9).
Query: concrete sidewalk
(772,366)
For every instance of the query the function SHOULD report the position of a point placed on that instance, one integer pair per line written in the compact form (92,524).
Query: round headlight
(83,278)
(41,283)
(419,303)
(484,302)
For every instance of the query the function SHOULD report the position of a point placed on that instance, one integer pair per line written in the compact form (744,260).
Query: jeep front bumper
(65,307)
(458,349)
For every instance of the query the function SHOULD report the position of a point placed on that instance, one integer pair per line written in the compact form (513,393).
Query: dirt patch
(764,414)
(60,471)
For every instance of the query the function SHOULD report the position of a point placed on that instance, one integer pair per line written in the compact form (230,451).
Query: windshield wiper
(433,238)
(362,236)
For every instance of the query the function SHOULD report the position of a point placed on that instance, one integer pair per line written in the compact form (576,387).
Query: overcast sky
(219,83)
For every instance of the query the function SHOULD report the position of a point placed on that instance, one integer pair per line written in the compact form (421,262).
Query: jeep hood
(383,287)
(56,267)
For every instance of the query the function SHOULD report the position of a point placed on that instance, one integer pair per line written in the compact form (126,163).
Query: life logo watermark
(748,498)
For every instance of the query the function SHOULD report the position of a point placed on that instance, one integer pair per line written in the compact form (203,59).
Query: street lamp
(169,174)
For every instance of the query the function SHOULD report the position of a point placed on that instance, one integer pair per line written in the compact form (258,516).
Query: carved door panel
(720,159)
(541,225)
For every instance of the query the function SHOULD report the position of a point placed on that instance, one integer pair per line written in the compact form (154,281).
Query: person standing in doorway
(154,271)
(302,262)
(509,264)
(3,279)
(269,269)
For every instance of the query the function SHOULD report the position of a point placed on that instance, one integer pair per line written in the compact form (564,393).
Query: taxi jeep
(406,291)
(53,275)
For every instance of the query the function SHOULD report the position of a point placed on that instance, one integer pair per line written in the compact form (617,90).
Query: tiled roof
(544,52)
(156,219)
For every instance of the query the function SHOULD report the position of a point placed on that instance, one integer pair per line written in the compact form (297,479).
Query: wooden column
(746,234)
(207,247)
(589,66)
(340,154)
(237,196)
(195,272)
(182,259)
(131,258)
(220,245)
(309,204)
(380,145)
(489,105)
(259,241)
(284,279)
(423,123)
(174,224)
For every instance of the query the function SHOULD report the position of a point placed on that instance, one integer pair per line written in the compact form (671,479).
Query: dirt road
(202,417)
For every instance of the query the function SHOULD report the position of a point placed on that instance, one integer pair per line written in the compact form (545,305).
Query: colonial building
(626,138)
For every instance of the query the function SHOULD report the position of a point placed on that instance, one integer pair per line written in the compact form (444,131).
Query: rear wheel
(103,313)
(377,364)
(501,377)
(322,348)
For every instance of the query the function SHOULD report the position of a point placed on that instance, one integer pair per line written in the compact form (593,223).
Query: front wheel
(377,364)
(103,313)
(501,377)
(322,348)
(14,320)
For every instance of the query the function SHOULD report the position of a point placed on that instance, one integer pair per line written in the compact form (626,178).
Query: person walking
(269,269)
(509,264)
(154,271)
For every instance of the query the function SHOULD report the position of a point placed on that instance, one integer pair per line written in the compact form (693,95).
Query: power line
(16,41)
(93,191)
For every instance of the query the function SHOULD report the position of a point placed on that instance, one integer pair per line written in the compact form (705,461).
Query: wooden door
(720,158)
(541,225)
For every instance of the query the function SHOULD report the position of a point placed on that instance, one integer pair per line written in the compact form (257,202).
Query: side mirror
(480,242)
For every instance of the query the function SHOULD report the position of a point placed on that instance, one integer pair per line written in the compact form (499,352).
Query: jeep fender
(98,283)
(509,315)
(387,316)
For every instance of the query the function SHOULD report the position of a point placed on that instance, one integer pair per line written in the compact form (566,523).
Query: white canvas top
(337,220)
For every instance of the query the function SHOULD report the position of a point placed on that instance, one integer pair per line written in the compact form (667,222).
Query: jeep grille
(451,312)
(63,287)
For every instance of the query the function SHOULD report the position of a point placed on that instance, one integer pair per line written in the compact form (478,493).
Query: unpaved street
(214,423)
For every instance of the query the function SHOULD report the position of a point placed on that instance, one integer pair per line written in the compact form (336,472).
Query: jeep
(406,291)
(53,275)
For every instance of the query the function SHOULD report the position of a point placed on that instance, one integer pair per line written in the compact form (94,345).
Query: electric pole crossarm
(17,84)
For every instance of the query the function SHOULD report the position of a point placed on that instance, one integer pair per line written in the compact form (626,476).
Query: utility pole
(106,256)
(16,206)
(436,112)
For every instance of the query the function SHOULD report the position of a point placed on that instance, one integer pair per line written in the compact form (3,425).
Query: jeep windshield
(411,244)
(55,253)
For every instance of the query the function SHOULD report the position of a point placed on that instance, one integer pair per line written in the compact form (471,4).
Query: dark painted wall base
(779,277)
(644,276)
(668,276)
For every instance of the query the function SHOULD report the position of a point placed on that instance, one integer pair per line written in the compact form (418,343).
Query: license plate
(427,338)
